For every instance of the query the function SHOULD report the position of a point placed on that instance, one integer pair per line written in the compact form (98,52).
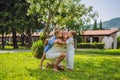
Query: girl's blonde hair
(73,32)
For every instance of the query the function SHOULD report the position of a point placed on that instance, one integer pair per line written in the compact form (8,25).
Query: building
(8,38)
(91,36)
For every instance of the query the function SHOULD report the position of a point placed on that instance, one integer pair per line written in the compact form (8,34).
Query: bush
(91,45)
(19,43)
(9,43)
(37,48)
(118,42)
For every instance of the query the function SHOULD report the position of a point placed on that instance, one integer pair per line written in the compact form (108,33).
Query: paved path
(13,51)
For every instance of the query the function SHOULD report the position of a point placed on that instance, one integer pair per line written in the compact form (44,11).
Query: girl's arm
(59,42)
(46,41)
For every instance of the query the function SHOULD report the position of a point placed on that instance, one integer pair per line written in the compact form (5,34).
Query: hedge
(118,42)
(91,45)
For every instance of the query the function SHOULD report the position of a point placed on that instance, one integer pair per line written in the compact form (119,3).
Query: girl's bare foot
(55,69)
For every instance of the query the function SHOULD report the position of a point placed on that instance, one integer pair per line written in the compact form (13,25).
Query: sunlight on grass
(23,66)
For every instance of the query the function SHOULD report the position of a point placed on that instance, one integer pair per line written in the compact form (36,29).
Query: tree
(13,12)
(18,9)
(4,6)
(95,25)
(2,31)
(45,10)
(101,25)
(62,13)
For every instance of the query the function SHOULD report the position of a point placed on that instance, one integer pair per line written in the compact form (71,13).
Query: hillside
(113,23)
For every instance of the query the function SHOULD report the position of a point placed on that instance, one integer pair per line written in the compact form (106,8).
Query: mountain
(113,23)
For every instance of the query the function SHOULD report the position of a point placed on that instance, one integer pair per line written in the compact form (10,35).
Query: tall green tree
(95,25)
(101,28)
(13,12)
(4,6)
(3,31)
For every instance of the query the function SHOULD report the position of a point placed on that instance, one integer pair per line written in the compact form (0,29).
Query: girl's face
(59,34)
(69,34)
(65,35)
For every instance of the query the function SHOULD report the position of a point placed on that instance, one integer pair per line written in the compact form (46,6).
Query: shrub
(118,42)
(99,45)
(19,43)
(91,45)
(9,43)
(37,48)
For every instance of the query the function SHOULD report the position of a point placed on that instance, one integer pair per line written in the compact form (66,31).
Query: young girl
(70,50)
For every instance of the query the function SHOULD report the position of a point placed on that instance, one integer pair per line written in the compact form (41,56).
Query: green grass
(101,51)
(23,66)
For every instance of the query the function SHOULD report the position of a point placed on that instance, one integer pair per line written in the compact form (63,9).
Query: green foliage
(118,42)
(37,48)
(63,13)
(100,25)
(9,43)
(23,66)
(91,45)
(79,38)
(95,25)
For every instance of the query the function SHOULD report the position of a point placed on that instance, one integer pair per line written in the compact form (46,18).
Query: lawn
(88,66)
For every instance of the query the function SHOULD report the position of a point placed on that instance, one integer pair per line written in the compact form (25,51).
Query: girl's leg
(42,59)
(59,59)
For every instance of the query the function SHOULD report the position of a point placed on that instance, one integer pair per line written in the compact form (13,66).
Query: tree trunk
(14,38)
(3,43)
(29,38)
(22,40)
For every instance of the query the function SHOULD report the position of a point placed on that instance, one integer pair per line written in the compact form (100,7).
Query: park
(25,25)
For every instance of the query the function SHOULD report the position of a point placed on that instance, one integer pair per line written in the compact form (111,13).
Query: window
(95,39)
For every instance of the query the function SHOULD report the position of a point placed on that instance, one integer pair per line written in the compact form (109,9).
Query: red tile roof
(98,32)
(36,34)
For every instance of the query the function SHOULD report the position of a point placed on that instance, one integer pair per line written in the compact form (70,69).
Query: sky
(107,9)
